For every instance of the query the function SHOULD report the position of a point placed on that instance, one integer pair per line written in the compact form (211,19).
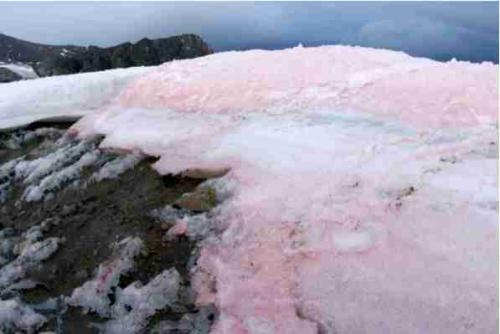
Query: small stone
(205,173)
(56,221)
(144,252)
(46,225)
(68,209)
(82,274)
(167,224)
(201,200)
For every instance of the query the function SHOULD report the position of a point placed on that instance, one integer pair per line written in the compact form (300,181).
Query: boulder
(7,75)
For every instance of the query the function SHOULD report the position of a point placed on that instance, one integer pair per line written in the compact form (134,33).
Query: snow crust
(132,305)
(16,140)
(115,167)
(195,227)
(362,191)
(58,178)
(136,303)
(48,173)
(14,315)
(61,97)
(18,254)
(21,254)
(61,166)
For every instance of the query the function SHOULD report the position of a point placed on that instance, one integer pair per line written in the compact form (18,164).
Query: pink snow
(344,212)
(385,83)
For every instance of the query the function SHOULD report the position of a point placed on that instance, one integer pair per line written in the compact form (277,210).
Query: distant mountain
(13,50)
(48,60)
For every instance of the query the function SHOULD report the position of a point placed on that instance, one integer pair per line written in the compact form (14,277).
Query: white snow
(16,316)
(195,227)
(16,140)
(64,52)
(117,166)
(362,191)
(23,253)
(17,255)
(55,180)
(60,168)
(136,303)
(61,97)
(93,294)
(24,70)
(33,170)
(51,172)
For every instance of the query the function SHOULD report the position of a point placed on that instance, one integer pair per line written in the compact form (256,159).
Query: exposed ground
(89,216)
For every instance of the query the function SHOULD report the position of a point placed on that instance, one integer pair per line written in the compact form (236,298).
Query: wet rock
(82,275)
(166,225)
(48,223)
(201,200)
(7,75)
(68,209)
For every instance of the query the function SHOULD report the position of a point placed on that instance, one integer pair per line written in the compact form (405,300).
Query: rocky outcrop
(48,60)
(146,52)
(7,75)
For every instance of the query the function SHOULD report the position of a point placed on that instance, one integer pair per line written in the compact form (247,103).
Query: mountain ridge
(48,60)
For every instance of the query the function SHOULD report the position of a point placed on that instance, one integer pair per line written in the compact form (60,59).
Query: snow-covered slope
(362,191)
(62,97)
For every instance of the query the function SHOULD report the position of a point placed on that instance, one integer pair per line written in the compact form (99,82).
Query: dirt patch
(89,218)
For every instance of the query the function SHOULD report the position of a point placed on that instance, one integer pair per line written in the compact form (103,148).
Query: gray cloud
(440,30)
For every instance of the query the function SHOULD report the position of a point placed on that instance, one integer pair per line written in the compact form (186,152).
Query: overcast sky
(440,30)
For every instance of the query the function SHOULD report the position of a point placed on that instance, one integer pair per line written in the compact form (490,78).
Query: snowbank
(362,192)
(61,97)
(345,214)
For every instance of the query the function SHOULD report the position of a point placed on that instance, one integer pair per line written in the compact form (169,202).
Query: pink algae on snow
(381,82)
(361,196)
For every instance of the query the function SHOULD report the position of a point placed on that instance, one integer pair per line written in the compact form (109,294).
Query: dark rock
(7,75)
(205,173)
(48,60)
(58,65)
(200,200)
(68,209)
(16,50)
(82,275)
